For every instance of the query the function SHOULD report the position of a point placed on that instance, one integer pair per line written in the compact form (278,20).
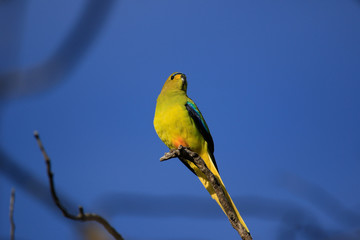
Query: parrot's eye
(172,77)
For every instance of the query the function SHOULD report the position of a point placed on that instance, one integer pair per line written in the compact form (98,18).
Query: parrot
(178,121)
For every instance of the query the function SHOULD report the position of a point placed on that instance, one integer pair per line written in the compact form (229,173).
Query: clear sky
(277,81)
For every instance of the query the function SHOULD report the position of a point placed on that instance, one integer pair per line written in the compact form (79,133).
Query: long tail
(209,163)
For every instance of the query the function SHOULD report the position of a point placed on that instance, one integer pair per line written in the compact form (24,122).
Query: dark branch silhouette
(29,182)
(199,162)
(82,216)
(12,223)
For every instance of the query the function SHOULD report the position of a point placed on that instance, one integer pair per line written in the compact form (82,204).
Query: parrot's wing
(201,125)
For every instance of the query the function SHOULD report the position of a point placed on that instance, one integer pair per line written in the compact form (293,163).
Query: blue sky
(277,82)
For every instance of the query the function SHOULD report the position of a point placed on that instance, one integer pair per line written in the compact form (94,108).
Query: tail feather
(209,163)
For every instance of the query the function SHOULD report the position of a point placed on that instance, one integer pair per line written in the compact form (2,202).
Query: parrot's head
(176,81)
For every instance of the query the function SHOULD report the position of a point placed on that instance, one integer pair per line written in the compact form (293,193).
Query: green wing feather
(201,125)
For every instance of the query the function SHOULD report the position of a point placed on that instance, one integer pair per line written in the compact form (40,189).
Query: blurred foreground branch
(81,216)
(199,162)
(68,54)
(12,223)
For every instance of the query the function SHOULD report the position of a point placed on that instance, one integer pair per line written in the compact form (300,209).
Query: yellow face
(176,81)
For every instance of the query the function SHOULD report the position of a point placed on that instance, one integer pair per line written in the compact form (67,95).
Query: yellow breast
(175,127)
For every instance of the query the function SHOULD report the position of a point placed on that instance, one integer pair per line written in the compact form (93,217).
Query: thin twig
(81,215)
(199,162)
(12,223)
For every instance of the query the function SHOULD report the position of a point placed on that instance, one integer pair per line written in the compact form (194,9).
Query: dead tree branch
(199,162)
(81,215)
(12,223)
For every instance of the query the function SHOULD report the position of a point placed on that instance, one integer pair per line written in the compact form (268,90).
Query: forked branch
(186,153)
(82,216)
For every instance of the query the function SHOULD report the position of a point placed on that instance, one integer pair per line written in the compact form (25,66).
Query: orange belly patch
(179,141)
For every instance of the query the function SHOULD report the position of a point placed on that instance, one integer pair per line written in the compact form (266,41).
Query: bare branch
(173,153)
(81,215)
(12,223)
(199,162)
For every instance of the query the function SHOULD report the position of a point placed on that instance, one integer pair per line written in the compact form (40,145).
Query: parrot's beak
(184,82)
(183,77)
